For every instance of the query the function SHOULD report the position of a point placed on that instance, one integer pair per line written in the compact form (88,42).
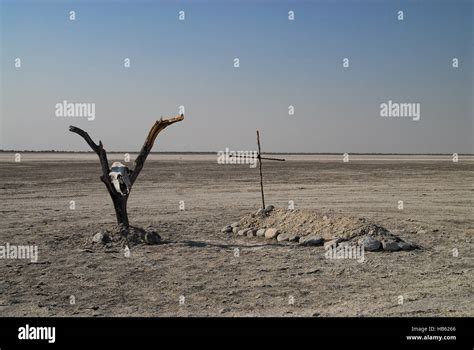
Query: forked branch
(148,145)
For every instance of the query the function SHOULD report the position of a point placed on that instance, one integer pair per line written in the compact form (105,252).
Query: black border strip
(85,331)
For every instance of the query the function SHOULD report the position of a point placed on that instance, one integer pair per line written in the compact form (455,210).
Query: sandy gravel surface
(200,271)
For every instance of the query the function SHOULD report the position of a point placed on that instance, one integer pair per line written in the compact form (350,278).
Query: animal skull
(119,175)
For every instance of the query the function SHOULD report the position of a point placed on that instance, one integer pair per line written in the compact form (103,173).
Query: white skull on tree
(119,175)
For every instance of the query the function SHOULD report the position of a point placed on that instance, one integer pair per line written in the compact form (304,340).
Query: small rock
(242,232)
(261,232)
(390,245)
(224,310)
(98,237)
(235,230)
(406,246)
(269,209)
(369,243)
(271,233)
(325,217)
(251,232)
(311,240)
(227,229)
(235,224)
(101,237)
(294,237)
(332,242)
(259,212)
(421,232)
(152,237)
(284,236)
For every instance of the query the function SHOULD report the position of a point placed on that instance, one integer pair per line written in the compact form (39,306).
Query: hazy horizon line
(215,152)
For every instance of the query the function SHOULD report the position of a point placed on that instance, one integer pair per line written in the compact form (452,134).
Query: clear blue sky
(282,63)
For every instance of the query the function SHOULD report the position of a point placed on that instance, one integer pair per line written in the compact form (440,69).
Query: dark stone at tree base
(311,240)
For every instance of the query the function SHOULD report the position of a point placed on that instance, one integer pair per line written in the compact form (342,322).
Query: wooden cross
(259,157)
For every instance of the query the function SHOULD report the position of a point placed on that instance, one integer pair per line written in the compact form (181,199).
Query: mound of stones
(309,228)
(127,235)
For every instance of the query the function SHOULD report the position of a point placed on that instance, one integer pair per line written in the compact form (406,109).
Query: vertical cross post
(260,167)
(260,158)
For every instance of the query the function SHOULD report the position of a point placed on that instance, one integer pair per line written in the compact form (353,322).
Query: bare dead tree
(119,199)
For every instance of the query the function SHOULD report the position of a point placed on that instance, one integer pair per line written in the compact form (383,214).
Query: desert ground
(200,271)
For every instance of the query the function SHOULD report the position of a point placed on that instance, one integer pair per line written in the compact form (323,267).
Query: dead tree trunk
(120,205)
(119,200)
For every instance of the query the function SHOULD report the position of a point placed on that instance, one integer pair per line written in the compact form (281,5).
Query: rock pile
(131,235)
(310,228)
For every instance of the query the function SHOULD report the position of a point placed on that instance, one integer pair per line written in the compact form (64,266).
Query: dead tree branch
(148,145)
